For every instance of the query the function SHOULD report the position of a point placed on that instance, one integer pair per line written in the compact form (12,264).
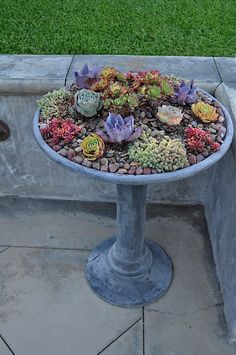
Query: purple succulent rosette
(184,94)
(87,77)
(119,129)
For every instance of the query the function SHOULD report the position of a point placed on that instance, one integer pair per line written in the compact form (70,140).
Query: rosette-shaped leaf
(205,112)
(198,141)
(87,77)
(154,92)
(119,130)
(185,94)
(117,89)
(88,102)
(170,115)
(93,146)
(109,73)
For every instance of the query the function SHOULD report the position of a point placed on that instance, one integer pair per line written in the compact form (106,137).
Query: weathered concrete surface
(130,343)
(32,74)
(4,350)
(26,171)
(46,306)
(202,69)
(227,68)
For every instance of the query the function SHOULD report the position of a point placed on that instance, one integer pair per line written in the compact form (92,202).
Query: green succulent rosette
(88,102)
(93,146)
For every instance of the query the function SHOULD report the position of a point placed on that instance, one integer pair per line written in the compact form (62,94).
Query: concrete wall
(26,171)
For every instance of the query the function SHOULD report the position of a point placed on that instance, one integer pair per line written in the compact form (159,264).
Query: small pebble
(192,159)
(83,131)
(145,120)
(77,159)
(222,131)
(74,145)
(154,171)
(132,170)
(71,154)
(219,139)
(134,163)
(96,166)
(104,161)
(147,171)
(194,123)
(122,171)
(109,154)
(113,167)
(87,163)
(221,119)
(142,114)
(104,168)
(199,157)
(56,148)
(126,166)
(63,152)
(78,149)
(139,171)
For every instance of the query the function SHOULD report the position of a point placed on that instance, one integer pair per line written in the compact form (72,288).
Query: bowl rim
(139,179)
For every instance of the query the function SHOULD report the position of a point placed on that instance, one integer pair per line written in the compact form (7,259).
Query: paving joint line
(42,247)
(119,336)
(143,310)
(67,73)
(218,71)
(187,313)
(7,345)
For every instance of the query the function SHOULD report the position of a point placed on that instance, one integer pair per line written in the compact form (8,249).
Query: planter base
(125,290)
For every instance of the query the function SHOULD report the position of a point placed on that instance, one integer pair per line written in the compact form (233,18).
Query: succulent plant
(184,94)
(154,92)
(166,88)
(93,146)
(161,153)
(87,77)
(149,77)
(59,129)
(109,73)
(198,141)
(100,85)
(88,102)
(57,103)
(119,130)
(130,100)
(170,115)
(205,112)
(117,89)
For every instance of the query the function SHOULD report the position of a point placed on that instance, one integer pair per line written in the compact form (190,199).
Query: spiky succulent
(57,103)
(119,130)
(161,153)
(205,112)
(87,77)
(184,94)
(88,102)
(93,146)
(170,115)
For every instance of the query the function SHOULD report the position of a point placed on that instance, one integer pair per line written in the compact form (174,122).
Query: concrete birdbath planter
(132,130)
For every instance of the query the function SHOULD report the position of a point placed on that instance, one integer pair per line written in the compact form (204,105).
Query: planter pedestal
(128,270)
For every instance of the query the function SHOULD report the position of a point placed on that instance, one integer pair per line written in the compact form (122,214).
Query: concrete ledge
(227,68)
(26,74)
(202,69)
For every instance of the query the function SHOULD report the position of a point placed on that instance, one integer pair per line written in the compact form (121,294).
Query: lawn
(148,27)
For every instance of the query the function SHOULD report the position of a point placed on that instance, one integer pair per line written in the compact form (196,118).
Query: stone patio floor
(47,308)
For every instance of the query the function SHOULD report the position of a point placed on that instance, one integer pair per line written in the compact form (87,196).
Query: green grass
(148,27)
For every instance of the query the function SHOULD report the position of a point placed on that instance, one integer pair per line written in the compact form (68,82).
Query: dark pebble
(87,163)
(132,170)
(96,166)
(192,159)
(63,152)
(139,171)
(56,148)
(104,168)
(199,157)
(122,171)
(113,167)
(77,159)
(147,171)
(71,154)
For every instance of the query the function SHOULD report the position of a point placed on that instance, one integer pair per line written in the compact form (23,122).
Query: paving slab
(197,333)
(46,306)
(202,69)
(227,68)
(33,73)
(130,343)
(4,350)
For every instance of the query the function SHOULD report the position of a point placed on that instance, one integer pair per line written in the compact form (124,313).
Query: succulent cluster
(205,112)
(85,78)
(119,130)
(184,94)
(88,102)
(120,115)
(93,147)
(59,129)
(57,103)
(170,115)
(161,153)
(199,141)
